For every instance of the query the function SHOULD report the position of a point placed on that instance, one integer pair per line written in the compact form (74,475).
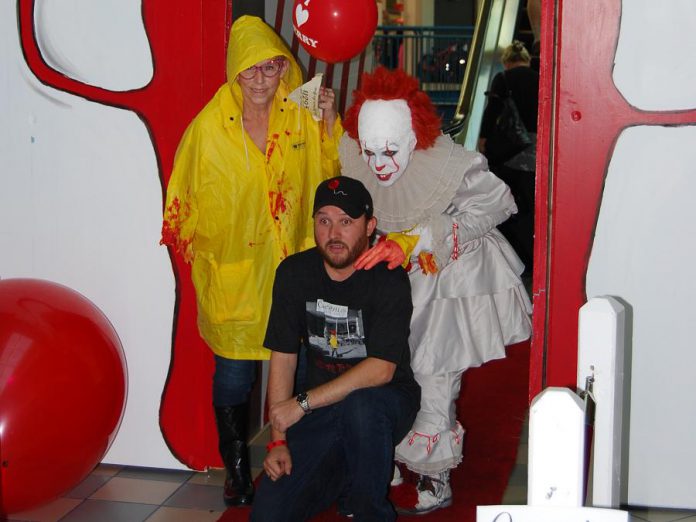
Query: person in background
(534,15)
(437,207)
(335,441)
(521,82)
(238,203)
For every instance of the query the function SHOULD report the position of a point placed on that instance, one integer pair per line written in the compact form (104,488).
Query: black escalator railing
(495,27)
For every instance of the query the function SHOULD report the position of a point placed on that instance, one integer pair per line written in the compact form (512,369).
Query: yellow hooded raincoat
(235,212)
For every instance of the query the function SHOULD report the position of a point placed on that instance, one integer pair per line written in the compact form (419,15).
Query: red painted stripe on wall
(328,75)
(361,68)
(280,8)
(345,74)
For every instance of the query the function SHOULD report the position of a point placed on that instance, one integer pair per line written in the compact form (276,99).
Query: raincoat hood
(252,41)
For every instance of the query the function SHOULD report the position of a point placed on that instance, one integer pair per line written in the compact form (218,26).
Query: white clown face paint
(386,138)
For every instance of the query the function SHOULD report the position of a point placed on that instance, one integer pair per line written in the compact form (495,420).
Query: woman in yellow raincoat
(238,202)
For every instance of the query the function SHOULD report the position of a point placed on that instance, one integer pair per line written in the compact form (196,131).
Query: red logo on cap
(333,184)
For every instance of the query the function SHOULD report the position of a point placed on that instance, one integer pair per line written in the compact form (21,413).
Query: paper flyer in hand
(307,96)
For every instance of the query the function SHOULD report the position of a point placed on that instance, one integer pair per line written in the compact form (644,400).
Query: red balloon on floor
(62,390)
(334,30)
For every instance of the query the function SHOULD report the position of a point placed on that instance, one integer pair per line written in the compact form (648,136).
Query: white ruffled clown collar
(425,189)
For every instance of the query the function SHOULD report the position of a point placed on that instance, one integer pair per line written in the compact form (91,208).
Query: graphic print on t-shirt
(335,331)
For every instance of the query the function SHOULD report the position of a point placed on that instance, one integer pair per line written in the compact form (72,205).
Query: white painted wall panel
(81,200)
(99,43)
(653,68)
(644,253)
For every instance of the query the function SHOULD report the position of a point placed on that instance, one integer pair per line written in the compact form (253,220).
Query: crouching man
(335,441)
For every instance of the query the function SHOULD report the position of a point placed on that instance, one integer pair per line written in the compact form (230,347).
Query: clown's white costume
(443,205)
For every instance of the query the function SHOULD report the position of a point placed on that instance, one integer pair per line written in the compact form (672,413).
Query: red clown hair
(384,84)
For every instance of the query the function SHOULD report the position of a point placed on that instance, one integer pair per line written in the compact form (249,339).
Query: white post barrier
(557,432)
(556,462)
(601,358)
(556,442)
(548,514)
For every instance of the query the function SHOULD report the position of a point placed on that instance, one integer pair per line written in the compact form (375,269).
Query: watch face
(303,402)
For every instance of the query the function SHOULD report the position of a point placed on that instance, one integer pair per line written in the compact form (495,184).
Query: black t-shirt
(340,322)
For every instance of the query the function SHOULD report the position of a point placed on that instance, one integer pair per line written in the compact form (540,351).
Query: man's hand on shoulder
(284,414)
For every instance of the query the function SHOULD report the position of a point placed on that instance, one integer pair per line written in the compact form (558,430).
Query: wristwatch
(303,400)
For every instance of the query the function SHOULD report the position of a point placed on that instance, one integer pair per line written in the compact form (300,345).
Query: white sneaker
(434,492)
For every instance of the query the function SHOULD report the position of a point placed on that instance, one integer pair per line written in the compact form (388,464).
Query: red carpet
(492,408)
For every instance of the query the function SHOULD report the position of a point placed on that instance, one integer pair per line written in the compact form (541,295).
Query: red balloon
(62,390)
(334,30)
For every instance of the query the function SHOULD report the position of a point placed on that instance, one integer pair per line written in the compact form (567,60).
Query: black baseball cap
(348,194)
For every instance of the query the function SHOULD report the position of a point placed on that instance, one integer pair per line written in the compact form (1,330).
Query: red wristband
(275,444)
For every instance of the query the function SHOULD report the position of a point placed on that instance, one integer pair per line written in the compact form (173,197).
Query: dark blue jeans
(344,450)
(232,381)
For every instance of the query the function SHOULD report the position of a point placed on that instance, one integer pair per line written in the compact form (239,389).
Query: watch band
(303,400)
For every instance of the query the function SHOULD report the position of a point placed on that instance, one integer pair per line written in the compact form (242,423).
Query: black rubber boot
(232,435)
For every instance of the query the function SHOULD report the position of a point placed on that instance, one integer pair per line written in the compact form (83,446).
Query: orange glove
(407,242)
(426,261)
(387,250)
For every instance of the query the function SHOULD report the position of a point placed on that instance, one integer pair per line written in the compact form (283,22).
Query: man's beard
(348,257)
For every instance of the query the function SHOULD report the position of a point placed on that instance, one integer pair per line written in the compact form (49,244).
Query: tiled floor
(127,494)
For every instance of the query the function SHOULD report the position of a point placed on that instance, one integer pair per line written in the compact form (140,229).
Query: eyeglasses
(269,69)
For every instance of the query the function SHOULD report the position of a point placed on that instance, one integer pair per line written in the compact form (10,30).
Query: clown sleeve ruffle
(407,243)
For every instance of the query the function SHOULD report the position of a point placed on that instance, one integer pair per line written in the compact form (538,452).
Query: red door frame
(581,116)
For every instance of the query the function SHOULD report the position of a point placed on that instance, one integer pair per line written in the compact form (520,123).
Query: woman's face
(260,82)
